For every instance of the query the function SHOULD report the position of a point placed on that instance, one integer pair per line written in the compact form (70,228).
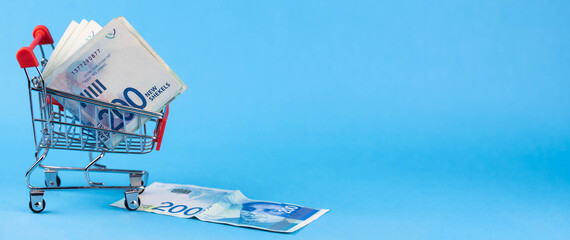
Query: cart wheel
(57,182)
(137,204)
(37,207)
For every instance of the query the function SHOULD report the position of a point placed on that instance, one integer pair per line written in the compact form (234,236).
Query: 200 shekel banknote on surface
(224,206)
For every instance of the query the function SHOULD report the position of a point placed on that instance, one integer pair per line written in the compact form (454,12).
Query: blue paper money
(113,64)
(224,206)
(238,210)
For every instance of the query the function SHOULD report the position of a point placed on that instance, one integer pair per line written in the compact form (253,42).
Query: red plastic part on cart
(26,57)
(42,32)
(160,129)
(51,100)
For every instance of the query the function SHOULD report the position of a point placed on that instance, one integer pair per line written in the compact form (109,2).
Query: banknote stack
(112,64)
(224,206)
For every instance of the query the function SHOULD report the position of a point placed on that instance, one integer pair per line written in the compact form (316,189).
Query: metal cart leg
(37,202)
(39,159)
(94,161)
(96,164)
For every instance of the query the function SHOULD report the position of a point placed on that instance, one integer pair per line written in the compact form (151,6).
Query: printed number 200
(129,103)
(177,209)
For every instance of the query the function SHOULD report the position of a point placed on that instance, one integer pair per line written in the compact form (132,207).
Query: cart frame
(55,127)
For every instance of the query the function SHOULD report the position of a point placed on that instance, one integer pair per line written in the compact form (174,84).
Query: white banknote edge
(74,44)
(293,229)
(79,40)
(143,42)
(60,45)
(64,48)
(308,220)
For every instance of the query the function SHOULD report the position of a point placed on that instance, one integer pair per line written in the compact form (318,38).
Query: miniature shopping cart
(56,128)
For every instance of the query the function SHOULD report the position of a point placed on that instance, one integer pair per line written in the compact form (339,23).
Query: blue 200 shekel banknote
(224,206)
(235,209)
(113,64)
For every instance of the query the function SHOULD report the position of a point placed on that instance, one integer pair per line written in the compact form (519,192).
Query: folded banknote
(75,36)
(115,65)
(224,206)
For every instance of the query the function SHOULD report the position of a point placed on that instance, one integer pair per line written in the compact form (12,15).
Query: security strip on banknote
(224,206)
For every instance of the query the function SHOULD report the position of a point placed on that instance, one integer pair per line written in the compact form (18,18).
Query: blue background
(407,119)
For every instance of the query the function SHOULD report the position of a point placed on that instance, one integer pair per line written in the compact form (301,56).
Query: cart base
(137,179)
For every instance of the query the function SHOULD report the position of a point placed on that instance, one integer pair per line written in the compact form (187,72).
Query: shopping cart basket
(56,128)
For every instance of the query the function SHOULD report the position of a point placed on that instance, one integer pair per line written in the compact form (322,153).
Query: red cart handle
(160,129)
(26,57)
